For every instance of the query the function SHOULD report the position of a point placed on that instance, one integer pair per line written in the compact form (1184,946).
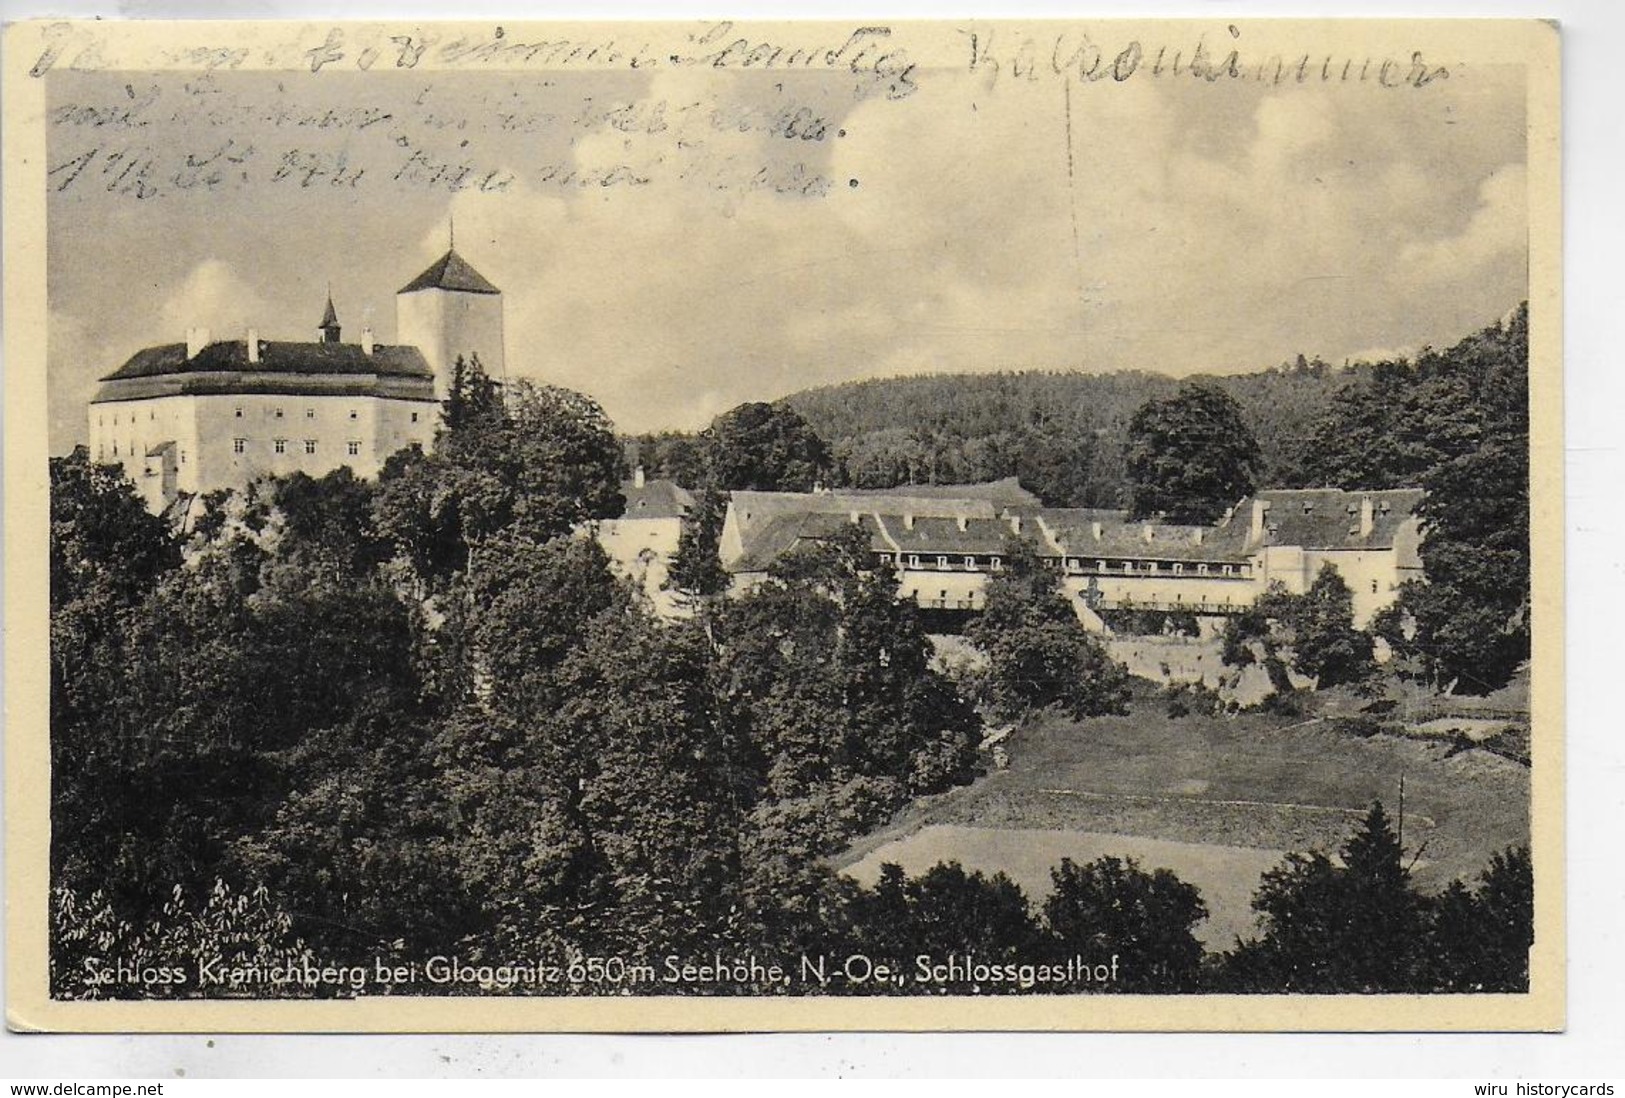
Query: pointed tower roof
(330,317)
(451,272)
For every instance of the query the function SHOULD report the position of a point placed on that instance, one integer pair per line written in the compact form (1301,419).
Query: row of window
(280,446)
(1151,567)
(971,563)
(310,413)
(101,452)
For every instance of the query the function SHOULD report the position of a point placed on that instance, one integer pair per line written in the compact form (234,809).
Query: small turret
(328,330)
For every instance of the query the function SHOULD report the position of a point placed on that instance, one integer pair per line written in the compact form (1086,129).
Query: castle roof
(282,368)
(330,316)
(451,272)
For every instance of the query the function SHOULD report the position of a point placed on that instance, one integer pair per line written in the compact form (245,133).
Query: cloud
(1496,235)
(214,296)
(1151,225)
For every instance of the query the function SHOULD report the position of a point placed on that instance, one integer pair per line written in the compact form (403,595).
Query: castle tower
(450,310)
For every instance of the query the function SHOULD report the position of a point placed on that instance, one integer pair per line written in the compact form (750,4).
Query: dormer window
(970,564)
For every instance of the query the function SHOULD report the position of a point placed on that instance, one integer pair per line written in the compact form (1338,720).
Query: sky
(675,242)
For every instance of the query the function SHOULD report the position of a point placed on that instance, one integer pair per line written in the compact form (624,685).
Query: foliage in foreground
(354,721)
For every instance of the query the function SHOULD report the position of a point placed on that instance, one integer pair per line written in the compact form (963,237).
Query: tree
(1480,938)
(473,396)
(696,568)
(326,524)
(765,447)
(1318,628)
(1455,423)
(943,912)
(1355,927)
(1191,456)
(1038,651)
(833,677)
(546,463)
(107,552)
(1111,906)
(104,543)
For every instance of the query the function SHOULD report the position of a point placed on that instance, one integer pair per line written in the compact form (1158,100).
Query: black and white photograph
(790,525)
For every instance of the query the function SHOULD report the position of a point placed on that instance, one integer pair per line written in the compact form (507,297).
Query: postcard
(783,526)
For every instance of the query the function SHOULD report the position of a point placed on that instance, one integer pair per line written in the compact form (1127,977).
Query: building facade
(943,547)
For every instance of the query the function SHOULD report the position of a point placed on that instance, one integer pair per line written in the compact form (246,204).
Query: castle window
(995,563)
(310,413)
(1178,569)
(280,445)
(352,448)
(115,449)
(414,417)
(279,413)
(310,446)
(970,564)
(913,560)
(239,412)
(1373,587)
(238,445)
(942,563)
(353,413)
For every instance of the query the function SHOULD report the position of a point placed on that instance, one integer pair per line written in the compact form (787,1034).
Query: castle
(192,417)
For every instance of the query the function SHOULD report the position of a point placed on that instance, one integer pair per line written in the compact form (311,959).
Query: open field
(1195,793)
(1226,875)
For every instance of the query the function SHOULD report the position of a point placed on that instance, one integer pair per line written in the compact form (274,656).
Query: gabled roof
(778,535)
(451,272)
(656,499)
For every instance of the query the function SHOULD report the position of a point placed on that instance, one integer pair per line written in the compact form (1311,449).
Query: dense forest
(1062,434)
